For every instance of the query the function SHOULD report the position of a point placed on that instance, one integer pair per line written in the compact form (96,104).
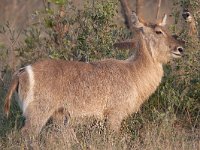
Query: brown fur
(12,88)
(192,28)
(189,18)
(110,89)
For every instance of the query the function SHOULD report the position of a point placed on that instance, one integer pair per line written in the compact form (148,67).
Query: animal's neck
(147,74)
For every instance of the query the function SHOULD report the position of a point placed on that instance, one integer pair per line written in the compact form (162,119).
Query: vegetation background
(86,31)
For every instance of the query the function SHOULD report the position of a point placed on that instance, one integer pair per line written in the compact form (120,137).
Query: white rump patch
(30,94)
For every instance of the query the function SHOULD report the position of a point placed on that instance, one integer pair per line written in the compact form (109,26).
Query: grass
(150,129)
(92,134)
(170,119)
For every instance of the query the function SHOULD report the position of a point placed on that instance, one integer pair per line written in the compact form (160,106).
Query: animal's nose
(180,49)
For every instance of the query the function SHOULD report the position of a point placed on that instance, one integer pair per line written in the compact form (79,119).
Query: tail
(12,88)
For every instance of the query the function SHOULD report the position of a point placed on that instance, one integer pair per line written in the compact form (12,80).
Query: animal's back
(83,88)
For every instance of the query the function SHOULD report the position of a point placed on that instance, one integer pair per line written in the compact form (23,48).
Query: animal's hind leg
(36,118)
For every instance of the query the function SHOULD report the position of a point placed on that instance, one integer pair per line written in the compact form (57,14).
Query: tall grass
(168,120)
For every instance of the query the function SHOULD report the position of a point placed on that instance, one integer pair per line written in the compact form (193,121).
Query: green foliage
(88,34)
(73,34)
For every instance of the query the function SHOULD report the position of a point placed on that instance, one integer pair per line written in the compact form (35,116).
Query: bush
(84,34)
(87,34)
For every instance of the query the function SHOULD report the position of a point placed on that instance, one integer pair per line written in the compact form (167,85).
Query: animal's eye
(158,32)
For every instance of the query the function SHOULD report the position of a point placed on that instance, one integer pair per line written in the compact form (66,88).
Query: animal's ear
(164,21)
(129,44)
(137,23)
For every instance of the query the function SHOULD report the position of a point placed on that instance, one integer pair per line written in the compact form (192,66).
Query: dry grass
(92,134)
(169,121)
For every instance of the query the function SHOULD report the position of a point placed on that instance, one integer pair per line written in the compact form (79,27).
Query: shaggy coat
(110,89)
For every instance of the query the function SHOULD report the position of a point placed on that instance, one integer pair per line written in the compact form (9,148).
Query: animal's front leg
(115,117)
(60,117)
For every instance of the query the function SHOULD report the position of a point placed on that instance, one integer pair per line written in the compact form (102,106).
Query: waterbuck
(110,88)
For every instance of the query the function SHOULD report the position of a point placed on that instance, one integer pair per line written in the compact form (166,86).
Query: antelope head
(160,45)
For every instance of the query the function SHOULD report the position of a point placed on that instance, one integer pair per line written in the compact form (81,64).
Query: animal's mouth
(176,54)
